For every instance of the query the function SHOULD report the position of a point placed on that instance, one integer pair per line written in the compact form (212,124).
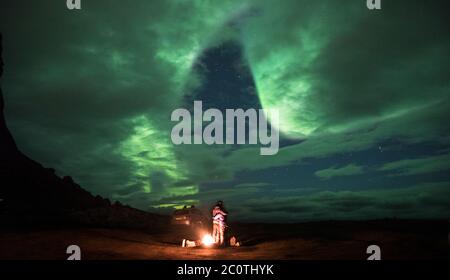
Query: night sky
(364,100)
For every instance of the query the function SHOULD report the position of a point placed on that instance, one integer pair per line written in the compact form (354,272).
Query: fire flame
(207,240)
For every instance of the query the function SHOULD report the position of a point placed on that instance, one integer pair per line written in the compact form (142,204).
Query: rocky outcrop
(7,144)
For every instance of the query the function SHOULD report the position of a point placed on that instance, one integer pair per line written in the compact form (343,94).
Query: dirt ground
(311,241)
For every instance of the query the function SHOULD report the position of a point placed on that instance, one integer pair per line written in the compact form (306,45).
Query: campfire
(207,241)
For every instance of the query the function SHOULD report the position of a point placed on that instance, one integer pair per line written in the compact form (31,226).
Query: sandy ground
(332,240)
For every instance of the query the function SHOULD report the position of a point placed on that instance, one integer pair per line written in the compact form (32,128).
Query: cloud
(333,66)
(423,200)
(418,165)
(403,128)
(232,195)
(347,170)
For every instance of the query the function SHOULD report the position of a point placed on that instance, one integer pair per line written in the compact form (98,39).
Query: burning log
(188,243)
(207,241)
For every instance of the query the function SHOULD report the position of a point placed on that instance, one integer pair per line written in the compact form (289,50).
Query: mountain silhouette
(33,195)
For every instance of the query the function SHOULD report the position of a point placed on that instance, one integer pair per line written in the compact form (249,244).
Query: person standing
(219,215)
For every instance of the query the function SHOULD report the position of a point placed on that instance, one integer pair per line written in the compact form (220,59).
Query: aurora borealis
(364,101)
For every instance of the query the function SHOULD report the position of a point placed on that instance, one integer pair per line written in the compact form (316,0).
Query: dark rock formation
(7,144)
(32,195)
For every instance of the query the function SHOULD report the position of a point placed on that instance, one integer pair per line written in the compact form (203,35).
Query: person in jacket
(219,215)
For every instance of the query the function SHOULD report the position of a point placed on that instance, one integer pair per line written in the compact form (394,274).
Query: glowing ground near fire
(311,241)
